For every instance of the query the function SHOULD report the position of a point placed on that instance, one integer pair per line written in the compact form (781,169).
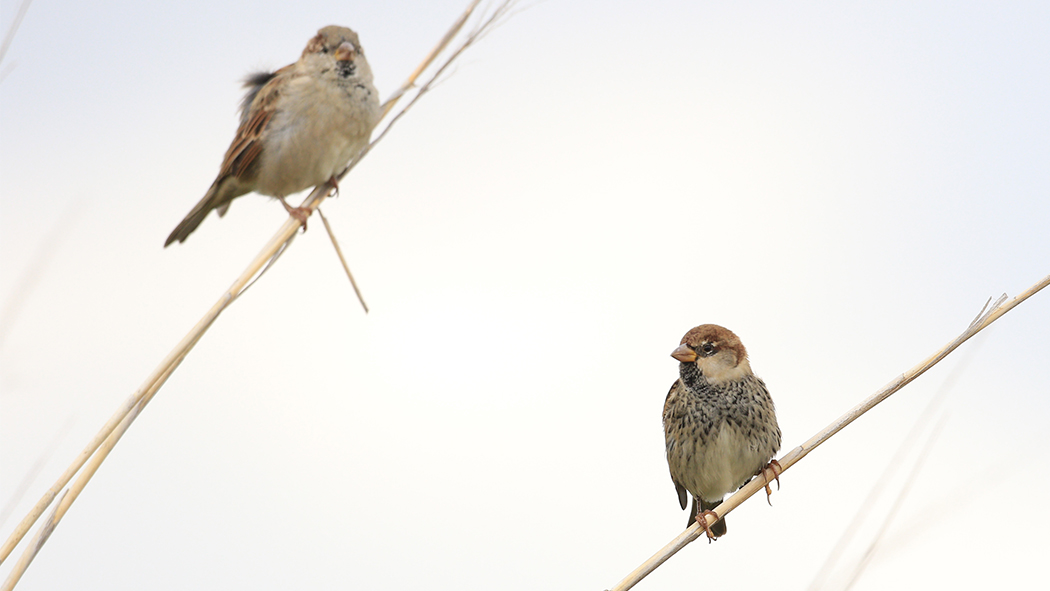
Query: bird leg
(701,518)
(774,467)
(299,213)
(335,186)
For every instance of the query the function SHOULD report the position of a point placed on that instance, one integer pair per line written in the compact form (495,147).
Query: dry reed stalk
(339,253)
(36,268)
(34,471)
(107,437)
(894,511)
(892,466)
(985,318)
(23,8)
(486,24)
(71,494)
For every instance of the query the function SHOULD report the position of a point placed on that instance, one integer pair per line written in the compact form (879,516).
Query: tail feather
(719,527)
(218,196)
(187,225)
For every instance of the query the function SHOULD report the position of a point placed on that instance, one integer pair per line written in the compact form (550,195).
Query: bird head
(340,42)
(716,352)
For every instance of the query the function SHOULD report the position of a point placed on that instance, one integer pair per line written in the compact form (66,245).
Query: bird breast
(718,437)
(318,128)
(719,465)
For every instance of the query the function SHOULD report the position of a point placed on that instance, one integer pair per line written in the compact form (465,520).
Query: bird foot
(335,186)
(774,467)
(701,518)
(299,213)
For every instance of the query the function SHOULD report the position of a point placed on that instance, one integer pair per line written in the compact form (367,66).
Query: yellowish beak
(345,52)
(684,354)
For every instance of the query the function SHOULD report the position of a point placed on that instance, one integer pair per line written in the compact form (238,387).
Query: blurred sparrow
(719,424)
(299,126)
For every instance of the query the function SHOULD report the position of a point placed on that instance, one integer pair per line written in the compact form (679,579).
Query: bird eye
(707,349)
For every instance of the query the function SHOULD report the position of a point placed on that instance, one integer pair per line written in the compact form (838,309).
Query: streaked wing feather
(244,151)
(683,495)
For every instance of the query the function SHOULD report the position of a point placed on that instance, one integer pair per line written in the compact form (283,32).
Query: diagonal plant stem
(166,366)
(342,259)
(35,270)
(99,447)
(869,553)
(429,59)
(44,531)
(985,318)
(23,8)
(499,14)
(34,471)
(891,467)
(313,201)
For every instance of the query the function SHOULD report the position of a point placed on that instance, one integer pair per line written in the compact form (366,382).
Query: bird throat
(346,69)
(692,376)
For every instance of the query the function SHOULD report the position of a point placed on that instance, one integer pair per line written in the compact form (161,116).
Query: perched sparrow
(719,424)
(299,126)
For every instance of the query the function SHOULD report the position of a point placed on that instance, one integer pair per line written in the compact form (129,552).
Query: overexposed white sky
(842,186)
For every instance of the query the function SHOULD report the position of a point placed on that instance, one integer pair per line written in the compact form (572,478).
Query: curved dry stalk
(34,471)
(154,381)
(36,269)
(985,318)
(100,446)
(493,20)
(71,494)
(10,36)
(894,511)
(892,466)
(499,14)
(429,59)
(342,259)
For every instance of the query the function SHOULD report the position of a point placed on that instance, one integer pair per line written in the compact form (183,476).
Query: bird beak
(684,354)
(345,52)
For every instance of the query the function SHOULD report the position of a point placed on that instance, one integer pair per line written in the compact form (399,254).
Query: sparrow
(299,127)
(720,428)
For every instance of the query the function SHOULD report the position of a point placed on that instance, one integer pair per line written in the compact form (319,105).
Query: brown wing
(244,151)
(236,175)
(669,402)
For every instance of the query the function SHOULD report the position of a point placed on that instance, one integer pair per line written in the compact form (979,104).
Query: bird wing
(257,110)
(683,495)
(669,402)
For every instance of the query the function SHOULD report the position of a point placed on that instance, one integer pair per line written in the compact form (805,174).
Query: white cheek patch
(718,371)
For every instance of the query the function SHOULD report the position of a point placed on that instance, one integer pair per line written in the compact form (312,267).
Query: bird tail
(216,197)
(719,528)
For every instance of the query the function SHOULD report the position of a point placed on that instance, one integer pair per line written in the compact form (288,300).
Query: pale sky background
(842,186)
